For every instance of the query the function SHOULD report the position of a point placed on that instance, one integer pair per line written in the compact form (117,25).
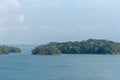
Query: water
(65,67)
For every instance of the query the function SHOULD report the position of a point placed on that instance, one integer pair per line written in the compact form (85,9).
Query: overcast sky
(43,21)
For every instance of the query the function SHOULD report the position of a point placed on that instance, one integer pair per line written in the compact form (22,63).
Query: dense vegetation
(91,46)
(6,49)
(46,50)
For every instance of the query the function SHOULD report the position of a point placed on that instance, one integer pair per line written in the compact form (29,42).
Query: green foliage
(6,49)
(46,50)
(91,46)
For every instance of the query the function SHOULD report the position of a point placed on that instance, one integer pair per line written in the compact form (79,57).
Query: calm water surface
(65,67)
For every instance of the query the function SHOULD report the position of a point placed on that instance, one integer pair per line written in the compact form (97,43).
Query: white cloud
(12,22)
(61,14)
(11,14)
(16,3)
(21,18)
(45,4)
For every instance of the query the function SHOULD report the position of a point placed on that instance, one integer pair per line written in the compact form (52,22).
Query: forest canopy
(90,46)
(9,49)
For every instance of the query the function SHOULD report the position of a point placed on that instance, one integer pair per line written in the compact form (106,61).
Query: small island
(9,49)
(90,46)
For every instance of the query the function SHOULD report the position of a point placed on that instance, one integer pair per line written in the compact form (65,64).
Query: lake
(65,67)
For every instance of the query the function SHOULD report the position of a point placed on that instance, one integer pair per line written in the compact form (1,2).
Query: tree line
(90,46)
(9,49)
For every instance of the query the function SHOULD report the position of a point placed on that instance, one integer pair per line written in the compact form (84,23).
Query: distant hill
(9,49)
(91,46)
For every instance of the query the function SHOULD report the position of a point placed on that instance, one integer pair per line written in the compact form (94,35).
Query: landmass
(90,46)
(9,49)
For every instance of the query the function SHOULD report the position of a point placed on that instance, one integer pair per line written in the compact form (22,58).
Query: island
(90,46)
(46,50)
(9,49)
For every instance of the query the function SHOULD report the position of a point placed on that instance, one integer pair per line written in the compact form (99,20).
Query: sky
(43,21)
